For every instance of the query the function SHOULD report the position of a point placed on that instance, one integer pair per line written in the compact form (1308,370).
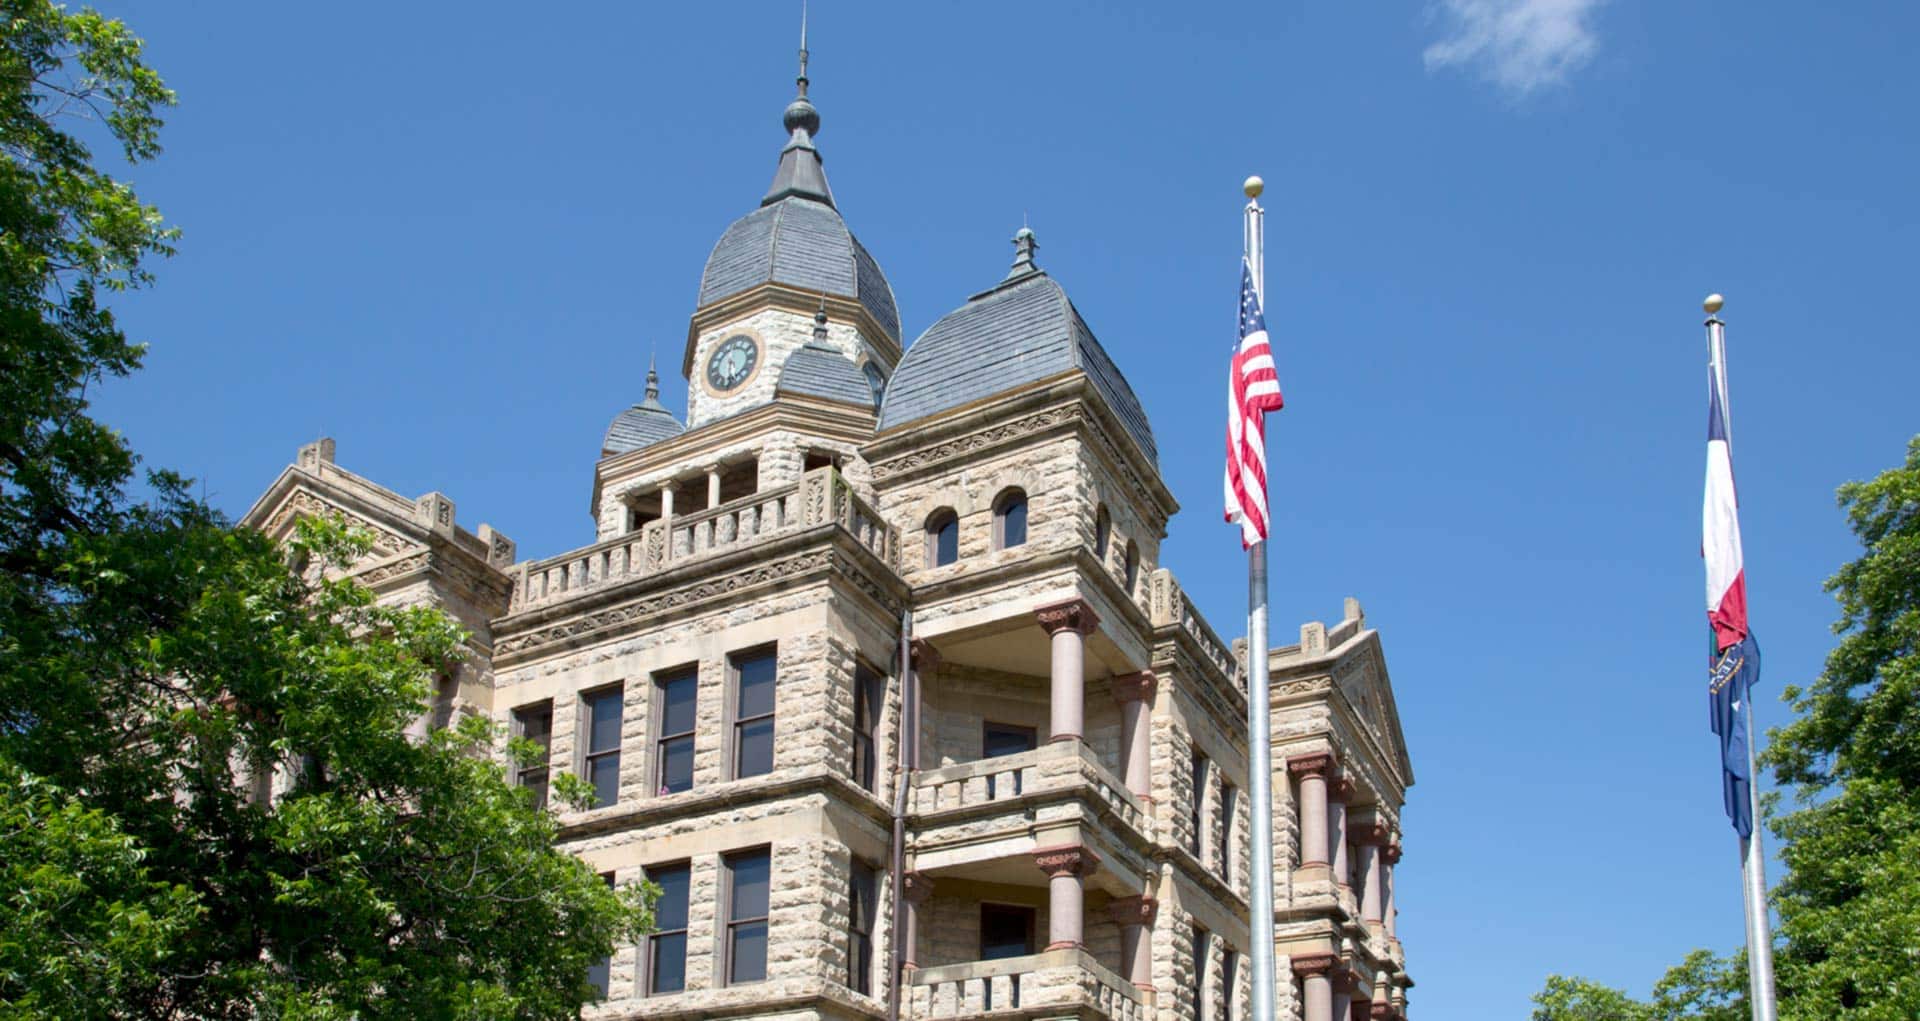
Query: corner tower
(770,274)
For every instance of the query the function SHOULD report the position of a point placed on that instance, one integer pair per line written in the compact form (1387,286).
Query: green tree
(160,669)
(1703,987)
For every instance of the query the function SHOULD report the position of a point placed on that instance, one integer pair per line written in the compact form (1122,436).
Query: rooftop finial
(802,80)
(1024,246)
(800,172)
(820,321)
(653,379)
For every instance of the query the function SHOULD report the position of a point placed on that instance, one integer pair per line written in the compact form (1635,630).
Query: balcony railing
(821,496)
(1056,766)
(1051,981)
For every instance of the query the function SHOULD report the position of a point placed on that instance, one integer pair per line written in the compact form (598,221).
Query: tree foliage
(211,807)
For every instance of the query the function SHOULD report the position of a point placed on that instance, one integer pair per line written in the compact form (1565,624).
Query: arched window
(1102,533)
(1133,565)
(943,537)
(1010,519)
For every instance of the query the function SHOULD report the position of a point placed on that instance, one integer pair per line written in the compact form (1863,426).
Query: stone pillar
(1312,772)
(1373,839)
(926,662)
(1388,859)
(667,489)
(917,888)
(1066,868)
(1135,693)
(1068,623)
(1338,794)
(1316,986)
(713,486)
(1343,987)
(1135,917)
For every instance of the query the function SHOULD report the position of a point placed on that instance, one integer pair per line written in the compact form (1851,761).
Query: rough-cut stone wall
(781,333)
(1056,506)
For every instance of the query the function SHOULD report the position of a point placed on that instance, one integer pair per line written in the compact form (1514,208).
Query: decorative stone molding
(1135,687)
(916,887)
(1137,910)
(1071,860)
(1341,790)
(1392,854)
(315,454)
(926,658)
(1073,614)
(1346,981)
(1313,964)
(963,445)
(1317,764)
(1381,1011)
(1373,833)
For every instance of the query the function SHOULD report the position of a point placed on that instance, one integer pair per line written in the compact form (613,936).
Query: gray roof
(803,243)
(1022,330)
(820,370)
(642,425)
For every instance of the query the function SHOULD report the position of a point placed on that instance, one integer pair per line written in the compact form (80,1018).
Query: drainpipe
(905,752)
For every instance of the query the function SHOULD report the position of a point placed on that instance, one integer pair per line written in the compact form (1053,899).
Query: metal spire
(800,172)
(1024,245)
(802,80)
(653,380)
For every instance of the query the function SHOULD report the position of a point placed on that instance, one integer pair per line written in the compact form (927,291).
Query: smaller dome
(818,370)
(642,425)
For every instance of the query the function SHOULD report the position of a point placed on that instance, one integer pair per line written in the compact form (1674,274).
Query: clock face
(732,362)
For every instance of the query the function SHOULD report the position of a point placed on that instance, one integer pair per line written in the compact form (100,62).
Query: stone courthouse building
(875,670)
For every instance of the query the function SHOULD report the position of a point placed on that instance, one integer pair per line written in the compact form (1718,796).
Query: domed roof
(1022,330)
(642,425)
(821,370)
(797,237)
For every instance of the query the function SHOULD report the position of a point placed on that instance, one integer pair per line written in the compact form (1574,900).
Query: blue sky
(450,236)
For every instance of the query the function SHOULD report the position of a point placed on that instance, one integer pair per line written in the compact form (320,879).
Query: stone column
(1312,772)
(1066,868)
(926,662)
(1373,839)
(917,888)
(1338,794)
(1135,693)
(1316,986)
(1388,859)
(667,489)
(1135,917)
(1068,623)
(1343,987)
(713,486)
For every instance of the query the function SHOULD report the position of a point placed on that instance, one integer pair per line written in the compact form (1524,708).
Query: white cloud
(1519,45)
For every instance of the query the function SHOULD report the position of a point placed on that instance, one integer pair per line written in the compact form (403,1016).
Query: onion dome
(821,370)
(1021,330)
(642,425)
(797,237)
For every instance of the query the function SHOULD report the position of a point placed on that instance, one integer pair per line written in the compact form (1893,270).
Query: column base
(1064,737)
(1065,944)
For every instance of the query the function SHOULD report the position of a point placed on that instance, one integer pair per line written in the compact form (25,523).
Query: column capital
(1341,790)
(1313,964)
(1346,980)
(917,887)
(711,469)
(1380,1011)
(1074,614)
(1392,854)
(1138,910)
(925,656)
(1135,687)
(1376,834)
(1315,764)
(1066,860)
(669,485)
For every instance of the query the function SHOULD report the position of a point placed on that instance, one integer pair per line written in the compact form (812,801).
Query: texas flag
(1734,657)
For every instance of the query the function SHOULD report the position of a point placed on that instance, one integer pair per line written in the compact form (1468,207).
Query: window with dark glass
(667,944)
(863,891)
(868,691)
(673,704)
(748,877)
(1199,801)
(602,760)
(1133,565)
(943,538)
(1005,931)
(1010,519)
(1102,533)
(997,739)
(535,724)
(1229,978)
(600,972)
(1228,794)
(753,675)
(1202,971)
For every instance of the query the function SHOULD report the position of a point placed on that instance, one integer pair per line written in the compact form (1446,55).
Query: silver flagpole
(1259,769)
(1753,856)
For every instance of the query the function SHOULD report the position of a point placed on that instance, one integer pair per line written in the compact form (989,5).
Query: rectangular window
(1202,971)
(667,945)
(603,711)
(863,894)
(749,874)
(753,676)
(1229,978)
(600,972)
(869,689)
(1229,794)
(535,723)
(673,705)
(1005,931)
(1199,802)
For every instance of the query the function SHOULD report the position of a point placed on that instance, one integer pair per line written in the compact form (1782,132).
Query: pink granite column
(1135,917)
(1066,869)
(1372,840)
(1338,794)
(926,662)
(917,888)
(1135,693)
(1068,624)
(1388,859)
(1316,985)
(1311,771)
(1343,989)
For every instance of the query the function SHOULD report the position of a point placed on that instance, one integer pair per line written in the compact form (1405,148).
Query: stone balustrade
(822,496)
(1069,980)
(1048,770)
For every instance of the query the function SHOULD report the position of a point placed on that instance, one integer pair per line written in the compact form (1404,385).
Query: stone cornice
(775,788)
(787,298)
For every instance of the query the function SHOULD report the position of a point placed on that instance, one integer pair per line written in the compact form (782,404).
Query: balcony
(1057,983)
(822,496)
(1054,774)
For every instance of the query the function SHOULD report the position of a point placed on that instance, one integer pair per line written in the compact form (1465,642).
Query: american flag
(1253,389)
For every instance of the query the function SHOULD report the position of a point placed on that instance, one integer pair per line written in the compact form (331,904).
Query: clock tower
(768,279)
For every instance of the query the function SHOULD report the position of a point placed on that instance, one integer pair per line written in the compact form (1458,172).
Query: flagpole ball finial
(1713,304)
(1254,186)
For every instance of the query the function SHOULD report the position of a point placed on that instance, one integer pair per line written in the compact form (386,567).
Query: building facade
(875,672)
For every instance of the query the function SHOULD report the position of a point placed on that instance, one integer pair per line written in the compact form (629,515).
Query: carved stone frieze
(963,445)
